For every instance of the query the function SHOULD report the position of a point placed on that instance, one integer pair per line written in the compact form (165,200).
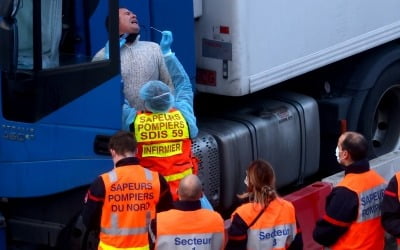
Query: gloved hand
(166,42)
(122,41)
(106,51)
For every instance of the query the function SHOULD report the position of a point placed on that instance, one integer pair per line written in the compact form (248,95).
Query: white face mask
(337,155)
(246,181)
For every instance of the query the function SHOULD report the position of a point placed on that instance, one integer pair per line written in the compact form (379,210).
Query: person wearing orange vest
(267,221)
(391,208)
(188,226)
(164,130)
(123,201)
(352,212)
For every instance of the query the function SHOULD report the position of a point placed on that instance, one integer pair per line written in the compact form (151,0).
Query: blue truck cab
(58,107)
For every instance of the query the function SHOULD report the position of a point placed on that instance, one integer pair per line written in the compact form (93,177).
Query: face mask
(246,181)
(337,155)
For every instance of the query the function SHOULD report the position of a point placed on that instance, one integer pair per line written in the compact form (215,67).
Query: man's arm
(165,202)
(94,200)
(128,115)
(152,235)
(163,71)
(183,92)
(338,216)
(181,81)
(237,234)
(297,242)
(391,209)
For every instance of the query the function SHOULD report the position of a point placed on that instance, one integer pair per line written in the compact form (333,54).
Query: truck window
(55,42)
(51,20)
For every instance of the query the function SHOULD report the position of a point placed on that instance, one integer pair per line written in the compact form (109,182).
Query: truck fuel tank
(282,129)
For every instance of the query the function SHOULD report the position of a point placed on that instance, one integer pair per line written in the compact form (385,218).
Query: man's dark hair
(356,145)
(130,38)
(122,142)
(107,19)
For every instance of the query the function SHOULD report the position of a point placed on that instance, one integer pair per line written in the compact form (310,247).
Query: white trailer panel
(245,46)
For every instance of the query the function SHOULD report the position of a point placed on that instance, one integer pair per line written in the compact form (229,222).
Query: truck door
(55,101)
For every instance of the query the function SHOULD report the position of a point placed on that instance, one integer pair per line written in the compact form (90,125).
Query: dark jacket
(342,207)
(391,208)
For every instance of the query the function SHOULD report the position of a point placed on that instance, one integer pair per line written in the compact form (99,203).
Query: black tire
(379,120)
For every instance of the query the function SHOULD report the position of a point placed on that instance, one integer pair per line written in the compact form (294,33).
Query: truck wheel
(380,117)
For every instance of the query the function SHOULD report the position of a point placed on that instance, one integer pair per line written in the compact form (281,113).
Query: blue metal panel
(30,179)
(80,29)
(57,153)
(98,32)
(176,16)
(100,107)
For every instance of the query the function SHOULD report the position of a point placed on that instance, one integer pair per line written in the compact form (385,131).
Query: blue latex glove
(166,42)
(205,203)
(122,41)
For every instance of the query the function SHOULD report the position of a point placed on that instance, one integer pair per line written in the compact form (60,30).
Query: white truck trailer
(278,80)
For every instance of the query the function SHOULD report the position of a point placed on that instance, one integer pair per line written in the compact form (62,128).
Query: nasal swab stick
(155,29)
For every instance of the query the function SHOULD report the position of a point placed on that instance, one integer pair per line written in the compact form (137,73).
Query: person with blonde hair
(267,221)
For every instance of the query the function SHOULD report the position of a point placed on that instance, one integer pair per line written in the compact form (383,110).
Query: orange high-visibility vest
(198,229)
(398,195)
(164,145)
(274,229)
(366,232)
(131,195)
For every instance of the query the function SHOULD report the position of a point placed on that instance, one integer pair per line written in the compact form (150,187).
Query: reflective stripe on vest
(115,230)
(178,176)
(277,237)
(198,241)
(104,246)
(112,175)
(370,202)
